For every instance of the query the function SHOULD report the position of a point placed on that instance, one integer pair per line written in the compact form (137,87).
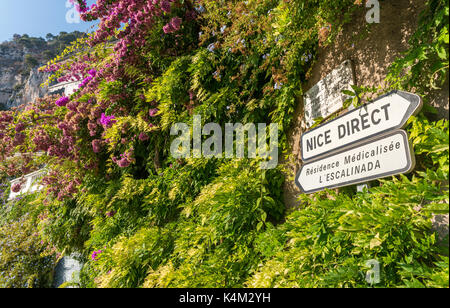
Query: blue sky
(36,18)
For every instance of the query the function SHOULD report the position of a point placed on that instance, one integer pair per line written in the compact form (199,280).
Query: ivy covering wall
(142,218)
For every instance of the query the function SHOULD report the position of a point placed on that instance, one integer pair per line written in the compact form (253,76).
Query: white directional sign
(388,112)
(381,157)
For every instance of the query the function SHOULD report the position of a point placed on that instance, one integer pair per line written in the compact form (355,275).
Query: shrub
(25,261)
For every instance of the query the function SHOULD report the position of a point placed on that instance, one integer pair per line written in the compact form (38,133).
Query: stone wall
(371,53)
(67,271)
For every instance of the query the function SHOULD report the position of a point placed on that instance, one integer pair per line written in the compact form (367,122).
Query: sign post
(388,155)
(362,145)
(387,113)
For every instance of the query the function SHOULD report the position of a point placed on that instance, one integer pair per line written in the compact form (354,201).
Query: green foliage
(29,42)
(329,241)
(425,64)
(25,261)
(125,265)
(66,225)
(216,232)
(4,191)
(30,61)
(211,228)
(432,147)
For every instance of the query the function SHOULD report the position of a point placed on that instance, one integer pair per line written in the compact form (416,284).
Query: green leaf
(259,226)
(375,242)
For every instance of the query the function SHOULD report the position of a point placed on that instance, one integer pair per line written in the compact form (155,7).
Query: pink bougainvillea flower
(19,139)
(173,26)
(96,254)
(107,121)
(85,81)
(92,72)
(111,214)
(97,146)
(125,159)
(165,6)
(62,101)
(143,137)
(176,23)
(124,163)
(168,28)
(153,112)
(16,188)
(20,127)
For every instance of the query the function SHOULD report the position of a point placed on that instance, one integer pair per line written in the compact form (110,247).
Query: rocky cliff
(17,89)
(20,81)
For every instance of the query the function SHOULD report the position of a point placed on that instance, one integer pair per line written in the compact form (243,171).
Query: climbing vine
(142,218)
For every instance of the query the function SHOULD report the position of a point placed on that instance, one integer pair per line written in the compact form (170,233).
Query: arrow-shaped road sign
(381,157)
(388,112)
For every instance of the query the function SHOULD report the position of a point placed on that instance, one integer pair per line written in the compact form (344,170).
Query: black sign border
(411,163)
(414,108)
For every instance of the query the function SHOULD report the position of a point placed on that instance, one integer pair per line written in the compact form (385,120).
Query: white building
(30,183)
(66,88)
